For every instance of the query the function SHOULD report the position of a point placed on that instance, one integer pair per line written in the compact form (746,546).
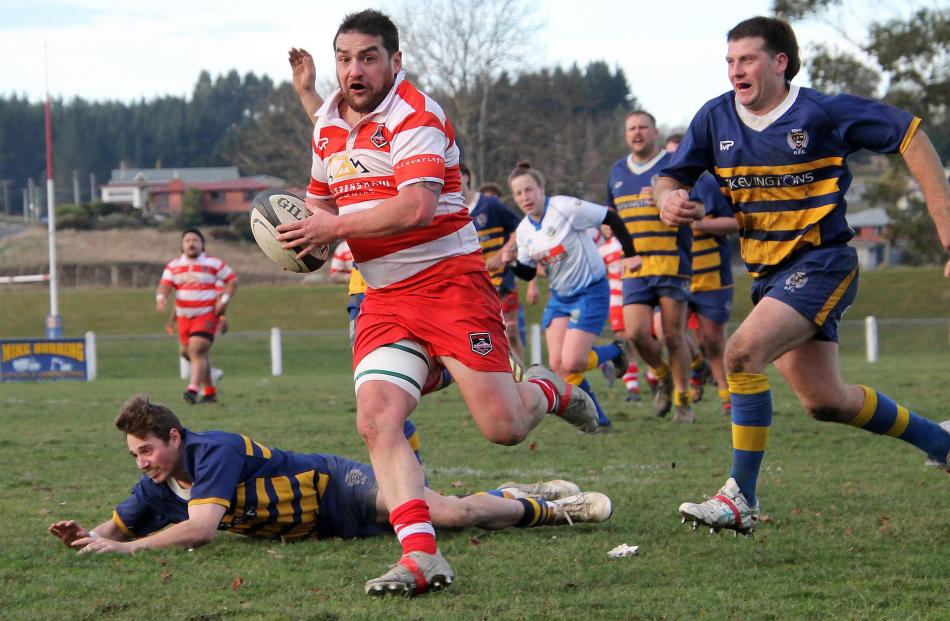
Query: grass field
(856,527)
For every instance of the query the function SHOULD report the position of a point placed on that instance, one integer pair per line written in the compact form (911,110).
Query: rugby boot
(209,398)
(415,573)
(190,397)
(683,414)
(728,509)
(545,490)
(583,507)
(663,397)
(576,406)
(610,372)
(697,381)
(621,362)
(936,463)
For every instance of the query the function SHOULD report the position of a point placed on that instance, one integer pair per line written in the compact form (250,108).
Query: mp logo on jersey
(481,343)
(341,166)
(796,281)
(378,139)
(798,140)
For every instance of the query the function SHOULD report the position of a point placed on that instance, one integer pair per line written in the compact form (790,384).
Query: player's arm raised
(925,166)
(672,197)
(304,77)
(198,530)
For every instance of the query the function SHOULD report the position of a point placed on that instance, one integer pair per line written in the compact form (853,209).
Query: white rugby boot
(415,573)
(945,464)
(576,407)
(728,509)
(583,507)
(545,490)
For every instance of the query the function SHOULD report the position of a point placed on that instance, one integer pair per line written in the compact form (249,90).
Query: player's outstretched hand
(304,70)
(67,531)
(101,545)
(678,210)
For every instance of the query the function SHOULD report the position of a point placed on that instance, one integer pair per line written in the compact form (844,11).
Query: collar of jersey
(330,109)
(537,224)
(639,169)
(759,123)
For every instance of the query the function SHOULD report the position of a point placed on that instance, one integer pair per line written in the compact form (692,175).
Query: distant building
(870,229)
(162,190)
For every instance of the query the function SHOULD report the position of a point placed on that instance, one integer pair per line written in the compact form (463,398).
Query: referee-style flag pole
(54,323)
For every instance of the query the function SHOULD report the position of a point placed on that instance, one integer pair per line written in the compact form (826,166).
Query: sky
(671,52)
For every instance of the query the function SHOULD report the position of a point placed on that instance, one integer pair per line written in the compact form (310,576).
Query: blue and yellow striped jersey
(495,223)
(267,492)
(785,172)
(712,257)
(665,250)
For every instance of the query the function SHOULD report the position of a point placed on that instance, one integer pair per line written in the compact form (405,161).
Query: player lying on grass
(196,483)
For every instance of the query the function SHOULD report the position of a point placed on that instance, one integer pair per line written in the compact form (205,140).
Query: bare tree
(458,48)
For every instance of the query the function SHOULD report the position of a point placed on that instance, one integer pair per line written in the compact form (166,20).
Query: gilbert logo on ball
(272,208)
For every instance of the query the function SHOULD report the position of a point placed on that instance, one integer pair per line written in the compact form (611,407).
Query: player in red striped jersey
(385,177)
(199,309)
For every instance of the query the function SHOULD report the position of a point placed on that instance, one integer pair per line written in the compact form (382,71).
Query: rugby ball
(272,208)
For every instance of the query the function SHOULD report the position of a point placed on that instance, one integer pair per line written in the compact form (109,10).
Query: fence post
(91,368)
(184,368)
(276,361)
(870,337)
(534,339)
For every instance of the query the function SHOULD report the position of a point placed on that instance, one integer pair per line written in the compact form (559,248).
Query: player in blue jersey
(664,278)
(197,483)
(496,224)
(556,234)
(778,152)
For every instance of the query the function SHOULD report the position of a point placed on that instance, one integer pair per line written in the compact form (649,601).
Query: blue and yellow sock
(536,513)
(412,435)
(604,353)
(881,415)
(751,420)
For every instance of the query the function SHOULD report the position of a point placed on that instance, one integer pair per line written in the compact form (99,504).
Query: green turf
(855,526)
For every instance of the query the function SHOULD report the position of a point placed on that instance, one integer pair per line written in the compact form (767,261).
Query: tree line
(565,120)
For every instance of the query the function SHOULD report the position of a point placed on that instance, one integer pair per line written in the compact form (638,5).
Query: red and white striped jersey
(195,281)
(612,254)
(406,139)
(342,260)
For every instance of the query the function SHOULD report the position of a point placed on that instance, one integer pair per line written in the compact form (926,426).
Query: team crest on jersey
(482,220)
(798,140)
(551,231)
(377,138)
(481,343)
(796,281)
(355,477)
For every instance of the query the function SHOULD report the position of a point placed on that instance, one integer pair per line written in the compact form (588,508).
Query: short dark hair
(778,36)
(196,232)
(371,22)
(490,188)
(138,417)
(639,112)
(675,138)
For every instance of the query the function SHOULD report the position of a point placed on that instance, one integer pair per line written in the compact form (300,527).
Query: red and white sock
(413,526)
(631,379)
(550,393)
(209,391)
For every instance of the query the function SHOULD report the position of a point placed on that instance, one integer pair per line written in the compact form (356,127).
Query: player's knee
(378,424)
(740,358)
(505,430)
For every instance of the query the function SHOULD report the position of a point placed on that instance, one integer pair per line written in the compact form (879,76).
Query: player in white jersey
(194,277)
(556,235)
(385,177)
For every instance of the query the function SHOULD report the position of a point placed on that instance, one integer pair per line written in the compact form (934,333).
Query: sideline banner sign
(42,359)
